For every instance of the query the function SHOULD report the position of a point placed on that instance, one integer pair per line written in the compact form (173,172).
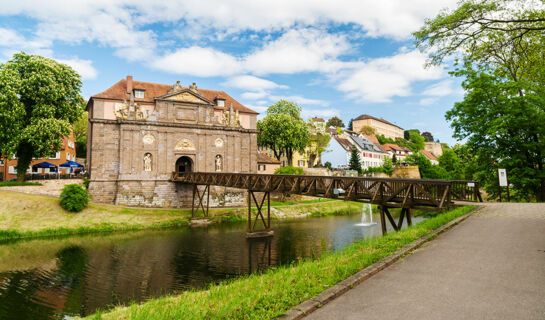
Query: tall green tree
(451,163)
(39,100)
(335,122)
(317,144)
(350,127)
(80,135)
(283,130)
(501,44)
(355,160)
(503,128)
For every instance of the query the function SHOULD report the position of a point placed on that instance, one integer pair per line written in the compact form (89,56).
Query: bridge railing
(392,191)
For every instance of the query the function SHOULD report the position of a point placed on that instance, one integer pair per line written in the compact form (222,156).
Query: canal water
(58,278)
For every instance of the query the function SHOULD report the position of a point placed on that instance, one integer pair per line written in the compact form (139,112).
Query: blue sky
(344,57)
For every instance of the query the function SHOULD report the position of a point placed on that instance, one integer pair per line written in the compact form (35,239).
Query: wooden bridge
(384,192)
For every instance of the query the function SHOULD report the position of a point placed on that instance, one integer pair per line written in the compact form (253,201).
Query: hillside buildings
(140,133)
(381,126)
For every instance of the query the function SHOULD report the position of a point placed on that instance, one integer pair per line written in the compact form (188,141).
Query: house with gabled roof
(381,126)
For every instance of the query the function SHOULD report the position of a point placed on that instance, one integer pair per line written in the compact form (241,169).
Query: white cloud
(380,79)
(301,100)
(198,61)
(254,95)
(324,113)
(427,101)
(300,50)
(252,83)
(83,67)
(442,88)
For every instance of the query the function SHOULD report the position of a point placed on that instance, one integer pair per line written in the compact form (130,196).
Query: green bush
(74,198)
(289,170)
(86,182)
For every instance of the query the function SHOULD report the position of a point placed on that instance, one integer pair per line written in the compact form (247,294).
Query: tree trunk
(289,156)
(24,157)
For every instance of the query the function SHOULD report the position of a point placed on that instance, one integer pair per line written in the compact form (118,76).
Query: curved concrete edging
(310,305)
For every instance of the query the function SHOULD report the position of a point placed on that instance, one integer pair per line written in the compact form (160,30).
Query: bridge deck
(391,192)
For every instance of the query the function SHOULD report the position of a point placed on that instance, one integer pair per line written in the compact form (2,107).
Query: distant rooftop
(366,116)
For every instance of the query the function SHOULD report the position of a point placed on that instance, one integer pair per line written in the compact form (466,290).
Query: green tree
(283,130)
(501,43)
(355,160)
(393,160)
(451,163)
(39,100)
(388,165)
(481,29)
(335,122)
(80,135)
(426,168)
(503,127)
(318,143)
(350,125)
(368,130)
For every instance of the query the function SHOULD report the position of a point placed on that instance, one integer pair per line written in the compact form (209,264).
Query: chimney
(129,84)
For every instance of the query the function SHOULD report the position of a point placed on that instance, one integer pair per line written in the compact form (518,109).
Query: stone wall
(434,148)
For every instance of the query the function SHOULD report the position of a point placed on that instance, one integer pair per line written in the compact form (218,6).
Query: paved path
(491,266)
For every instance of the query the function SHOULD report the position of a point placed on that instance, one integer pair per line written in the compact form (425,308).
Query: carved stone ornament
(129,111)
(185,145)
(148,139)
(231,118)
(218,143)
(177,87)
(147,162)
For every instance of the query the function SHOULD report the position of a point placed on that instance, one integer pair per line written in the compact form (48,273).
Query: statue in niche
(219,163)
(147,162)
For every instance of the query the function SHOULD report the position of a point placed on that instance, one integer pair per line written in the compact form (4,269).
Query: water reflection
(54,278)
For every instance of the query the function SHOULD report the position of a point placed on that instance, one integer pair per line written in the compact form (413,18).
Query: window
(68,156)
(139,94)
(1,163)
(261,167)
(34,170)
(301,163)
(57,156)
(12,170)
(220,102)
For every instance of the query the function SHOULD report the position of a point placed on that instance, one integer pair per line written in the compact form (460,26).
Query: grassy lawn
(271,294)
(24,215)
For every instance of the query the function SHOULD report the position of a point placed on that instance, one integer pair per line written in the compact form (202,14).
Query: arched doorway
(184,164)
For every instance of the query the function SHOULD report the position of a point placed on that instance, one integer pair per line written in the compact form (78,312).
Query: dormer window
(139,94)
(220,102)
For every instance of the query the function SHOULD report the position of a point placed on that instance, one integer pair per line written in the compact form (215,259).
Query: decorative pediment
(191,95)
(184,145)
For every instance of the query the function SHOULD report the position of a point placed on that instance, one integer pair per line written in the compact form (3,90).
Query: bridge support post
(266,231)
(200,205)
(385,213)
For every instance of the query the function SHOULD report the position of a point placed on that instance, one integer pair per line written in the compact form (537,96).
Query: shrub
(86,182)
(74,198)
(289,170)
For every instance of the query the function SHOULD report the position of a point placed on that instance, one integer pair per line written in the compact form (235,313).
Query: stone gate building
(141,132)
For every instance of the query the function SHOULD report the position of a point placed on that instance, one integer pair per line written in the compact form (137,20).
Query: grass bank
(271,294)
(25,216)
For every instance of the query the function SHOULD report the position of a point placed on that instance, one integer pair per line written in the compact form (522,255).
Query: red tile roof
(366,116)
(428,154)
(263,158)
(154,90)
(392,146)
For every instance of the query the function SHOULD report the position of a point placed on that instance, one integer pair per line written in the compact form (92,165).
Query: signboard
(502,177)
(471,184)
